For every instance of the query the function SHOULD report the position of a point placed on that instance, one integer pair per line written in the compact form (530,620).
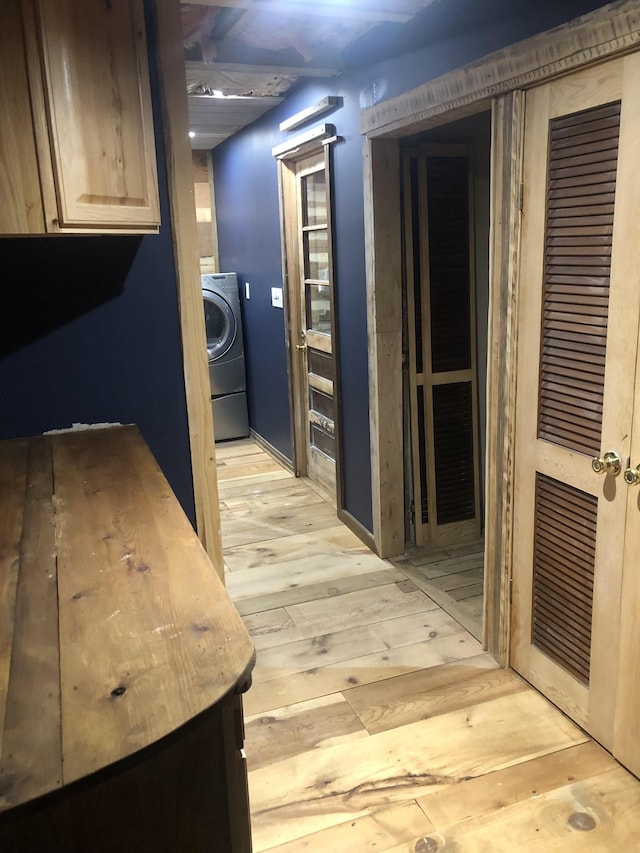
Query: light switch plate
(276,297)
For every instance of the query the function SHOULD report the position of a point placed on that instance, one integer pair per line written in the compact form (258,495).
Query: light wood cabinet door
(98,109)
(576,590)
(21,210)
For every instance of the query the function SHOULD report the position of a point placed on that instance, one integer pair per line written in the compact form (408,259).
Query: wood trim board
(383,215)
(297,146)
(591,38)
(320,108)
(271,450)
(289,274)
(187,269)
(356,527)
(504,242)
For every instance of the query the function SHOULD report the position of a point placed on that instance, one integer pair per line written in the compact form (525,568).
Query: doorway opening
(445,203)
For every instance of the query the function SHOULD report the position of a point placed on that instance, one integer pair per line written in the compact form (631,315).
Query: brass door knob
(609,463)
(632,476)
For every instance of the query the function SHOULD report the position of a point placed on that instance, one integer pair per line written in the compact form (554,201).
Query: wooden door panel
(626,266)
(454,459)
(318,342)
(576,282)
(440,288)
(307,229)
(579,310)
(316,314)
(22,207)
(100,115)
(563,570)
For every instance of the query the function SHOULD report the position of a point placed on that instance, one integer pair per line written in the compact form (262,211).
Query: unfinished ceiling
(242,56)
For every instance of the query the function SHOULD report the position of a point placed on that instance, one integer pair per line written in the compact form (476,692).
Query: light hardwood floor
(376,722)
(453,577)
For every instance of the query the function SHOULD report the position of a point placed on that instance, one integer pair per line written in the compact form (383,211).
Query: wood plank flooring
(453,577)
(376,722)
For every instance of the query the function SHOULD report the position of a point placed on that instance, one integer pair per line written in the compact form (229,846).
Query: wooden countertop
(115,629)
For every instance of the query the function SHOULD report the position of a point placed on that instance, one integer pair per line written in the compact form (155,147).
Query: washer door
(220,323)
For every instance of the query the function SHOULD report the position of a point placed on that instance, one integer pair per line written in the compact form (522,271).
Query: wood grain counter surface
(115,630)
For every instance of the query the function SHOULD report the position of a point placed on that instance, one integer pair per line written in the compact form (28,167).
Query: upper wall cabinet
(77,150)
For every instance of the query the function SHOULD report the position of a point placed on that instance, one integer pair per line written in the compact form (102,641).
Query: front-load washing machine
(225,348)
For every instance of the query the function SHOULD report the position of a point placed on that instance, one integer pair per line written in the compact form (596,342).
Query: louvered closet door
(578,334)
(440,286)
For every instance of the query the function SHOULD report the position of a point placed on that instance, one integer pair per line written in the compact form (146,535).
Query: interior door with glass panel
(310,274)
(579,307)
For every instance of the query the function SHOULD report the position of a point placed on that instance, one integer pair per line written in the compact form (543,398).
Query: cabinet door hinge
(521,198)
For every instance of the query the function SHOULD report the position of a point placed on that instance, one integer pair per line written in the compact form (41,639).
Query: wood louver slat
(422,458)
(453,445)
(416,263)
(563,571)
(583,152)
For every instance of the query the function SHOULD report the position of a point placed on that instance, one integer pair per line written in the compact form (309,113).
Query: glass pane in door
(316,251)
(314,199)
(318,308)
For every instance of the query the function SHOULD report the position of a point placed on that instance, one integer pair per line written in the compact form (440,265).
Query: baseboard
(342,514)
(271,450)
(356,527)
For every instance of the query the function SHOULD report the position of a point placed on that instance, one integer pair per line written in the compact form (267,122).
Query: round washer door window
(220,323)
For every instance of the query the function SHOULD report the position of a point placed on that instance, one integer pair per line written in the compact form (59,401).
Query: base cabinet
(174,797)
(76,140)
(123,659)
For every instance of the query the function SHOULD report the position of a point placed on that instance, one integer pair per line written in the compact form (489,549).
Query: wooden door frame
(291,307)
(497,82)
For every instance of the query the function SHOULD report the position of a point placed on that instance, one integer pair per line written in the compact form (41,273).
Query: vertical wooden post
(506,179)
(185,244)
(384,305)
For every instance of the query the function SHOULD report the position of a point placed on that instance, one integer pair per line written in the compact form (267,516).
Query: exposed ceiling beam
(202,68)
(399,12)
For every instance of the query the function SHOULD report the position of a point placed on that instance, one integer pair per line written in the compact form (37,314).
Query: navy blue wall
(247,214)
(89,333)
(248,229)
